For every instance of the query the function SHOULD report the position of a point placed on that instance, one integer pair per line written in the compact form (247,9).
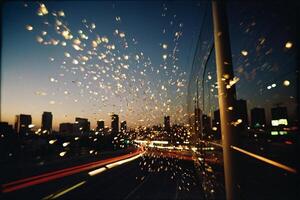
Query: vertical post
(227,95)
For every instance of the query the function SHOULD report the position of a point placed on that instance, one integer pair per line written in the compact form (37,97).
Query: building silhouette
(206,122)
(216,123)
(82,125)
(198,121)
(217,119)
(197,115)
(114,124)
(66,128)
(279,116)
(5,129)
(22,124)
(258,118)
(123,126)
(242,113)
(167,124)
(47,122)
(100,125)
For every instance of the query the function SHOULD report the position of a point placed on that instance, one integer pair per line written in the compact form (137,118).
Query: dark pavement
(143,178)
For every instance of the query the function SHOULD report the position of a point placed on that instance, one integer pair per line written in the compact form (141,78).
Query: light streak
(35,180)
(97,171)
(123,161)
(68,190)
(160,142)
(266,160)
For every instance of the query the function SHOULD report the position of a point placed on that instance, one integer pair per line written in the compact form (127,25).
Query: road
(137,176)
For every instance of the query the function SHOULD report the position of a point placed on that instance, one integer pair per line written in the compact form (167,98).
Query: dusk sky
(91,59)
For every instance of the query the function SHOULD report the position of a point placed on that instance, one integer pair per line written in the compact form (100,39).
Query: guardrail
(258,157)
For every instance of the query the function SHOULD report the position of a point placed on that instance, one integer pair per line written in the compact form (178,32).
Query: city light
(31,125)
(244,53)
(288,45)
(65,144)
(286,83)
(62,153)
(52,141)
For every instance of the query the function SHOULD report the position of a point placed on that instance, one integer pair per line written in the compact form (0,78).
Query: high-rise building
(100,125)
(167,124)
(123,126)
(279,116)
(47,122)
(216,125)
(206,122)
(258,118)
(114,124)
(217,119)
(197,115)
(22,124)
(198,121)
(5,128)
(66,128)
(242,113)
(82,124)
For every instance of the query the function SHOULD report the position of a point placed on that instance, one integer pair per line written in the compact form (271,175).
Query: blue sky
(153,86)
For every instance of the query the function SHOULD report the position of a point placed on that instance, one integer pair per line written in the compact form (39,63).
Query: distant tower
(258,118)
(22,124)
(67,129)
(123,126)
(198,114)
(82,124)
(206,122)
(167,125)
(100,125)
(242,113)
(47,122)
(279,116)
(114,124)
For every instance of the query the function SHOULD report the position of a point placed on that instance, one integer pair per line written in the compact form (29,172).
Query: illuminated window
(282,122)
(275,122)
(282,132)
(274,132)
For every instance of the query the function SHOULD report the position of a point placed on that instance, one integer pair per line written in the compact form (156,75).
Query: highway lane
(126,181)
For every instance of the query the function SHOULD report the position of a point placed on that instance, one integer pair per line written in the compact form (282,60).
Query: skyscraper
(22,124)
(198,121)
(114,124)
(123,126)
(242,113)
(167,125)
(217,124)
(66,128)
(258,118)
(5,128)
(47,122)
(217,118)
(279,116)
(206,121)
(82,124)
(100,125)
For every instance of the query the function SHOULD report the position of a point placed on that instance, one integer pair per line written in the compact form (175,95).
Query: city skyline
(246,114)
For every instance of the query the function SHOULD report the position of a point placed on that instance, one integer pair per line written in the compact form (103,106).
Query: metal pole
(227,95)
